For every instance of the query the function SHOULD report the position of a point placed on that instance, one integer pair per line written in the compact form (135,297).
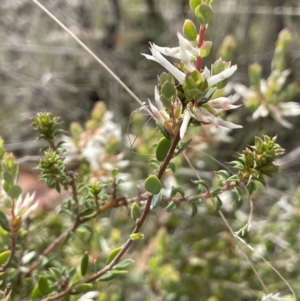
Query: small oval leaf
(81,288)
(204,13)
(107,277)
(4,256)
(4,221)
(112,255)
(122,265)
(182,147)
(153,184)
(162,149)
(136,236)
(156,200)
(44,285)
(35,292)
(84,263)
(15,191)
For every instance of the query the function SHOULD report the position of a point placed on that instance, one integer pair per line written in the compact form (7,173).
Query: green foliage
(79,247)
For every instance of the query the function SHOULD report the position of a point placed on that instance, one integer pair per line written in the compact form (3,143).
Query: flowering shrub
(81,246)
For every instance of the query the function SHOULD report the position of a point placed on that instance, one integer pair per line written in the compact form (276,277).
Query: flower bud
(135,211)
(15,223)
(255,72)
(76,129)
(205,48)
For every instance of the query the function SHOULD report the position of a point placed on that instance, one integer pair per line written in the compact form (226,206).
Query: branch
(14,236)
(129,241)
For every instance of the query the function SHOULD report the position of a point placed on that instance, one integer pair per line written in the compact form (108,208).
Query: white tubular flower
(244,91)
(223,103)
(289,108)
(25,206)
(214,79)
(89,296)
(156,113)
(261,111)
(185,122)
(157,99)
(271,297)
(185,59)
(277,115)
(228,124)
(160,114)
(157,57)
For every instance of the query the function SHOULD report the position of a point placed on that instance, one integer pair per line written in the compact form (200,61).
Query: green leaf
(194,208)
(8,178)
(208,95)
(237,193)
(162,149)
(82,288)
(251,187)
(172,205)
(189,30)
(156,200)
(122,265)
(223,174)
(44,285)
(182,147)
(4,256)
(204,13)
(135,211)
(194,3)
(115,172)
(14,192)
(168,89)
(176,190)
(87,212)
(153,184)
(172,166)
(164,132)
(201,184)
(112,255)
(233,178)
(107,276)
(4,222)
(136,236)
(218,203)
(35,292)
(84,263)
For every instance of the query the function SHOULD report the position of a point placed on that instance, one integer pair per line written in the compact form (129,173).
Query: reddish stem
(202,32)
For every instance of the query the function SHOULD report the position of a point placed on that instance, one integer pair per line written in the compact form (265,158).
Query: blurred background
(43,69)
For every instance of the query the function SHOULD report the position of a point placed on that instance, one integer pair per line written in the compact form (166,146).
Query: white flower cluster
(271,297)
(278,109)
(24,206)
(187,52)
(92,145)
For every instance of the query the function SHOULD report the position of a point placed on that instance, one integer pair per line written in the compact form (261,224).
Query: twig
(129,241)
(14,237)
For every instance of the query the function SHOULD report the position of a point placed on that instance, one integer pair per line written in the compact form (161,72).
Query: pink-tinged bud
(205,48)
